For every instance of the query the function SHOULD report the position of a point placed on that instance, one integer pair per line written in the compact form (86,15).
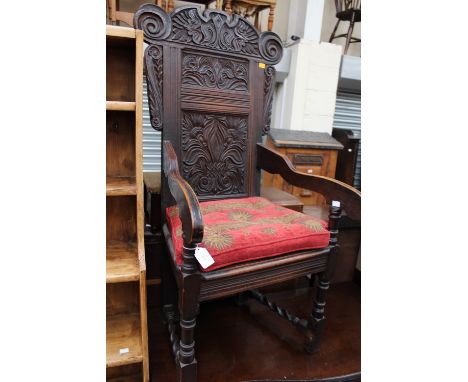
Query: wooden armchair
(210,85)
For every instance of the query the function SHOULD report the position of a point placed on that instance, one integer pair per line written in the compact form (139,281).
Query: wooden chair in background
(252,8)
(244,8)
(210,83)
(347,10)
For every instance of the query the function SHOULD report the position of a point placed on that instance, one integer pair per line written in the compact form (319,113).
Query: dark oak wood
(210,83)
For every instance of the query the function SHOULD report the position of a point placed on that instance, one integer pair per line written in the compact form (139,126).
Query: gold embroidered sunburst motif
(216,239)
(314,225)
(257,204)
(240,216)
(269,231)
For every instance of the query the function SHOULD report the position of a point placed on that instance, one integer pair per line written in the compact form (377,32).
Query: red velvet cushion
(238,230)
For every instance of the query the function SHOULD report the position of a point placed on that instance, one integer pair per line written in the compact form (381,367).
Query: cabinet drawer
(307,159)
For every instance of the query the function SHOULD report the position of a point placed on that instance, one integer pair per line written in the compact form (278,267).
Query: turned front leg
(186,362)
(317,318)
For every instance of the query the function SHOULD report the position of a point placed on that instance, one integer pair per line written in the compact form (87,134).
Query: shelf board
(123,331)
(120,105)
(121,263)
(117,31)
(120,185)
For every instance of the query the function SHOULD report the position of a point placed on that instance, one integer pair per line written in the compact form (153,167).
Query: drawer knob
(350,150)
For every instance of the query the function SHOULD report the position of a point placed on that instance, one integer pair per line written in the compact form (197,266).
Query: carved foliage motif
(268,96)
(214,72)
(154,75)
(215,31)
(215,149)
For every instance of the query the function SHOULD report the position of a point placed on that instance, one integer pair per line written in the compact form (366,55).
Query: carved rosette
(212,72)
(154,75)
(215,149)
(268,91)
(214,30)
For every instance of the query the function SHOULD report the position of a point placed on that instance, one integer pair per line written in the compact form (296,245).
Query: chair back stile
(210,83)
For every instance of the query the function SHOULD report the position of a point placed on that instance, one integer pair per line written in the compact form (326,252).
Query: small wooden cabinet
(310,153)
(126,322)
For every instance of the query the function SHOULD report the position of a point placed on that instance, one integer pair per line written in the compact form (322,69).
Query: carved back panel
(210,87)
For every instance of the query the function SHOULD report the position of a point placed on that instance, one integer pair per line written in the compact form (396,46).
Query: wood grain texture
(120,106)
(121,219)
(120,144)
(120,69)
(122,298)
(120,185)
(125,260)
(117,31)
(121,263)
(123,331)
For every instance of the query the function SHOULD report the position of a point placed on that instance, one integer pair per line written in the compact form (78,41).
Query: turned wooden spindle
(190,262)
(317,319)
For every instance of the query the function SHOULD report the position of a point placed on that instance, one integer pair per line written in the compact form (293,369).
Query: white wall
(306,100)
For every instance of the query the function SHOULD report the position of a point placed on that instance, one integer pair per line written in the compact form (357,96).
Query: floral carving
(268,96)
(215,153)
(214,30)
(154,75)
(214,72)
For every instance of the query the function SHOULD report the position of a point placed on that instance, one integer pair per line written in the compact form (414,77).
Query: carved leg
(186,363)
(334,31)
(317,320)
(271,16)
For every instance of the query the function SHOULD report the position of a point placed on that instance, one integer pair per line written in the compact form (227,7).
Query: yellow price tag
(261,65)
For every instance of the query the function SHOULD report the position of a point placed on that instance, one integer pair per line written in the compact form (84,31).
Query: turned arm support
(332,189)
(186,199)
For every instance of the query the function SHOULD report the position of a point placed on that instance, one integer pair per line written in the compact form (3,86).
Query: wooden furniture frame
(126,324)
(213,72)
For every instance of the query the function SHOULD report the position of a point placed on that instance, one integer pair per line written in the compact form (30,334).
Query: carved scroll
(214,29)
(215,149)
(212,72)
(154,75)
(268,91)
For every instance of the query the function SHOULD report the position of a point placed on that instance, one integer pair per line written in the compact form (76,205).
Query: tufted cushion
(239,230)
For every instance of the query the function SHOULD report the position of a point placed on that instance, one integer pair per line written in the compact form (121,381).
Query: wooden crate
(126,317)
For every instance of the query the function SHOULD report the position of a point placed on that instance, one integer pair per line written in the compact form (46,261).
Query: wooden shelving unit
(126,323)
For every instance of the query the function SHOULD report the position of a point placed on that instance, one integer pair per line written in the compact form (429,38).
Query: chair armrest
(332,189)
(186,199)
